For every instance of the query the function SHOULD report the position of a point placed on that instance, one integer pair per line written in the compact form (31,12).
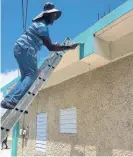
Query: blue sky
(77,16)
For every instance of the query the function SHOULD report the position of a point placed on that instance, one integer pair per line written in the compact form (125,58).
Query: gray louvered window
(41,132)
(68,119)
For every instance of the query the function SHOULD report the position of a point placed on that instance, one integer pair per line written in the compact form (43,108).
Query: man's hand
(56,47)
(73,46)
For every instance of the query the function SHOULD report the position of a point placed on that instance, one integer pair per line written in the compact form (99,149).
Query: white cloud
(5,78)
(2,111)
(1,96)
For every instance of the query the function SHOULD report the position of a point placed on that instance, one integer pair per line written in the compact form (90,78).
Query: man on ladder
(25,52)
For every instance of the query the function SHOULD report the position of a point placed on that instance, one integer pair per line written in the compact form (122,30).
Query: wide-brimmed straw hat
(48,9)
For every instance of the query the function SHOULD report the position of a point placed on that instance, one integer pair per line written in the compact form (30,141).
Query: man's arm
(55,47)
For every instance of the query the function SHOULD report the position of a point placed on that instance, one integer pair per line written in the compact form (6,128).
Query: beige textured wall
(104,102)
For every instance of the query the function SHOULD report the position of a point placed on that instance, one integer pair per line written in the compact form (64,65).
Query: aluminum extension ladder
(11,117)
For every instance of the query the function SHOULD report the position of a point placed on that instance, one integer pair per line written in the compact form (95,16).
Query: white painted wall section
(102,48)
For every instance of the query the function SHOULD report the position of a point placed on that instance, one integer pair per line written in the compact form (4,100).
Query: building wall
(104,102)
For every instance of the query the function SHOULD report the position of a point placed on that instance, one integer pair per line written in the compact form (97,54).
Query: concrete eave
(117,29)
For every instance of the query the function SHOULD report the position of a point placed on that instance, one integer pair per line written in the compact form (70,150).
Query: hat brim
(58,14)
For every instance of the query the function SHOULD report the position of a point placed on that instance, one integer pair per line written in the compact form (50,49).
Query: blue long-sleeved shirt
(32,35)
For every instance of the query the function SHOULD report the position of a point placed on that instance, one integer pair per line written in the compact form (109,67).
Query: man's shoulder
(39,24)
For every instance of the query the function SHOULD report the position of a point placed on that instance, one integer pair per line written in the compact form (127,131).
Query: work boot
(7,105)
